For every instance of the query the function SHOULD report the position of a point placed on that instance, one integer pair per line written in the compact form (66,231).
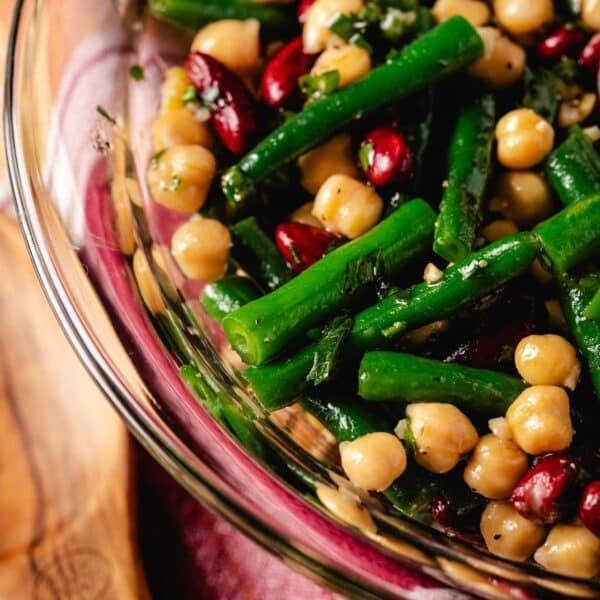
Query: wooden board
(67,528)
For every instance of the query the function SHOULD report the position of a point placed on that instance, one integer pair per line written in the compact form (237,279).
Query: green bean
(592,310)
(572,235)
(258,255)
(277,384)
(469,168)
(573,168)
(440,52)
(267,326)
(576,293)
(228,294)
(394,376)
(196,13)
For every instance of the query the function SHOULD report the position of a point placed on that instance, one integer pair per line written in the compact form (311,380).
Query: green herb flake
(365,156)
(156,158)
(329,349)
(136,72)
(316,87)
(364,272)
(541,92)
(189,95)
(106,115)
(175,183)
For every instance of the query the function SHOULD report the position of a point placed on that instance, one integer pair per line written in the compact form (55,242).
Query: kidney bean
(232,108)
(589,507)
(565,41)
(547,492)
(280,77)
(590,55)
(385,156)
(302,245)
(459,519)
(303,6)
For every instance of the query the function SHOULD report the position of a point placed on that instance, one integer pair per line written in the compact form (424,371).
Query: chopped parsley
(329,349)
(105,114)
(136,72)
(364,272)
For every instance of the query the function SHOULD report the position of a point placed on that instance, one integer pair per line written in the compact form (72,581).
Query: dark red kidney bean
(566,41)
(589,507)
(496,333)
(302,245)
(461,521)
(280,77)
(385,156)
(547,492)
(303,6)
(590,55)
(232,108)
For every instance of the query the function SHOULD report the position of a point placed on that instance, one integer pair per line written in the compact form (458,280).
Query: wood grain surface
(67,528)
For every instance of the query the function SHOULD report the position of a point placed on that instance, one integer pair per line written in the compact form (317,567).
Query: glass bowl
(78,180)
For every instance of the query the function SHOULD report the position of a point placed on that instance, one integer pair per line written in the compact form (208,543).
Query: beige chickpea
(547,360)
(201,248)
(570,550)
(576,109)
(590,14)
(345,507)
(149,290)
(334,157)
(540,421)
(499,427)
(179,127)
(442,434)
(432,274)
(496,230)
(523,197)
(495,467)
(503,61)
(181,177)
(173,87)
(316,33)
(520,17)
(506,533)
(425,333)
(303,214)
(373,461)
(524,139)
(477,13)
(236,43)
(350,61)
(347,206)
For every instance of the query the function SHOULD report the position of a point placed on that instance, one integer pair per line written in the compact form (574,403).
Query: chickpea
(570,550)
(179,127)
(540,272)
(201,248)
(523,197)
(503,61)
(334,157)
(523,16)
(350,61)
(556,316)
(499,427)
(316,33)
(373,461)
(149,290)
(496,230)
(345,507)
(174,85)
(540,421)
(432,274)
(590,14)
(547,360)
(235,43)
(524,139)
(347,206)
(181,177)
(477,13)
(508,534)
(304,215)
(442,434)
(577,109)
(423,334)
(495,467)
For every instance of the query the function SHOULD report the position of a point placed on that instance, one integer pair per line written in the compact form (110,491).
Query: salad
(394,208)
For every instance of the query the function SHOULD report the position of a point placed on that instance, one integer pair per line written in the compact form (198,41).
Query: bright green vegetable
(440,52)
(592,310)
(469,168)
(402,377)
(541,92)
(576,296)
(228,294)
(572,235)
(269,325)
(277,384)
(573,168)
(196,13)
(258,255)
